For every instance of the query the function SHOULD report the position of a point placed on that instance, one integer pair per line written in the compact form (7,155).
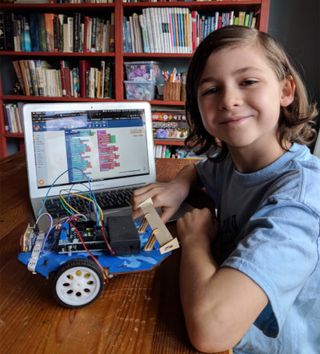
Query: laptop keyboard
(112,199)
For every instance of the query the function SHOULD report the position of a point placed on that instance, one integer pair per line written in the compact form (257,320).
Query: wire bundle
(74,215)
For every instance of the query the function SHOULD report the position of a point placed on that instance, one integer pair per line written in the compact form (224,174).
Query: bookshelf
(116,57)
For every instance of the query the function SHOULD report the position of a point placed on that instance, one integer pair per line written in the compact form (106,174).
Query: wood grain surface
(136,313)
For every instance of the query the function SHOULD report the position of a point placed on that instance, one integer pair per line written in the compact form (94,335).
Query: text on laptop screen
(104,144)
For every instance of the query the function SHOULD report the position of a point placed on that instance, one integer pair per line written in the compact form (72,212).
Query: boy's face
(239,98)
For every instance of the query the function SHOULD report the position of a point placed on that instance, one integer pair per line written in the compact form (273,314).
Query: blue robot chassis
(77,279)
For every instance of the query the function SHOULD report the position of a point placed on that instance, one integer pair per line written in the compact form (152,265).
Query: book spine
(40,78)
(2,33)
(63,78)
(86,21)
(56,33)
(84,66)
(112,34)
(18,72)
(48,23)
(24,78)
(70,23)
(8,30)
(76,33)
(42,33)
(34,83)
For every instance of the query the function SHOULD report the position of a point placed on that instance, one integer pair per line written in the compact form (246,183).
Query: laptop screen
(95,144)
(108,143)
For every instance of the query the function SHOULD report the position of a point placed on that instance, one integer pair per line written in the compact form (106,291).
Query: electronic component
(68,239)
(27,239)
(123,235)
(36,252)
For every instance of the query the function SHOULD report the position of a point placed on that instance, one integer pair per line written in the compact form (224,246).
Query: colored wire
(96,206)
(65,204)
(68,206)
(56,179)
(104,235)
(101,222)
(49,229)
(92,201)
(75,216)
(105,274)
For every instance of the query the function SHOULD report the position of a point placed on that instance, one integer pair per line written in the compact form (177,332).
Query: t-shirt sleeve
(279,252)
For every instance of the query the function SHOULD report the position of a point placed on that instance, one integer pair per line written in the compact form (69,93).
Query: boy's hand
(197,226)
(167,196)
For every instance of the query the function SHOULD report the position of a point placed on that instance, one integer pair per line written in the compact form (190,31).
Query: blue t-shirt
(269,230)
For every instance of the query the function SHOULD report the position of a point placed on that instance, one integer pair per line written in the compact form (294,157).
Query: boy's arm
(219,305)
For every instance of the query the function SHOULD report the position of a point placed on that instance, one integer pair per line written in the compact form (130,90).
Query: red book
(194,29)
(84,67)
(65,72)
(86,24)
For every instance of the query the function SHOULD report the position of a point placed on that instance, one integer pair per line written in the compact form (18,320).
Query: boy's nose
(229,99)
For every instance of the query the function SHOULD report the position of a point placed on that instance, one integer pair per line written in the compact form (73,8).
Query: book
(23,70)
(18,72)
(84,67)
(2,33)
(242,16)
(8,30)
(48,23)
(34,83)
(42,33)
(112,33)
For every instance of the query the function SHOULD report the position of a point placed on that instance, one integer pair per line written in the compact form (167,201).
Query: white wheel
(78,283)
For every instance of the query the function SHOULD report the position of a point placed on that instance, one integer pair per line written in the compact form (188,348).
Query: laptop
(102,150)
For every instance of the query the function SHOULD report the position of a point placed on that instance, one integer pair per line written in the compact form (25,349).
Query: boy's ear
(287,92)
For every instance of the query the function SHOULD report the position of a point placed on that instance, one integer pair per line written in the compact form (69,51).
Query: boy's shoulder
(300,178)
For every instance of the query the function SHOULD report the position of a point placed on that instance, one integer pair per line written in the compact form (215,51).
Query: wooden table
(136,313)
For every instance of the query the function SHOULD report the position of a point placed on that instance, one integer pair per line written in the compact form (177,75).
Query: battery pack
(123,235)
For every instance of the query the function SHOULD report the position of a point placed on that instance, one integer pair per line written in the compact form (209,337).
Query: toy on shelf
(79,255)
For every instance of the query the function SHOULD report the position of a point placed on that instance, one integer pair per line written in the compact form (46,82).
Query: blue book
(34,34)
(124,31)
(129,38)
(26,36)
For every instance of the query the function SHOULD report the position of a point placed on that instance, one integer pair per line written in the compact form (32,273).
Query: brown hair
(295,121)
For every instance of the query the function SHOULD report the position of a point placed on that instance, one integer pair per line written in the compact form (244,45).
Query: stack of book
(176,30)
(13,117)
(49,32)
(39,78)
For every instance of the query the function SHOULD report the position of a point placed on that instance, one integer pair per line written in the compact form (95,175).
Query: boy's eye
(248,82)
(209,91)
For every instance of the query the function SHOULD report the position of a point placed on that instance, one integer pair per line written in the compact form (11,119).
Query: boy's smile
(239,98)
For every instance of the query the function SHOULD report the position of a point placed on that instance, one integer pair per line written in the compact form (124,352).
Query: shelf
(55,54)
(167,103)
(171,142)
(259,7)
(53,99)
(82,99)
(32,7)
(193,4)
(14,135)
(156,55)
